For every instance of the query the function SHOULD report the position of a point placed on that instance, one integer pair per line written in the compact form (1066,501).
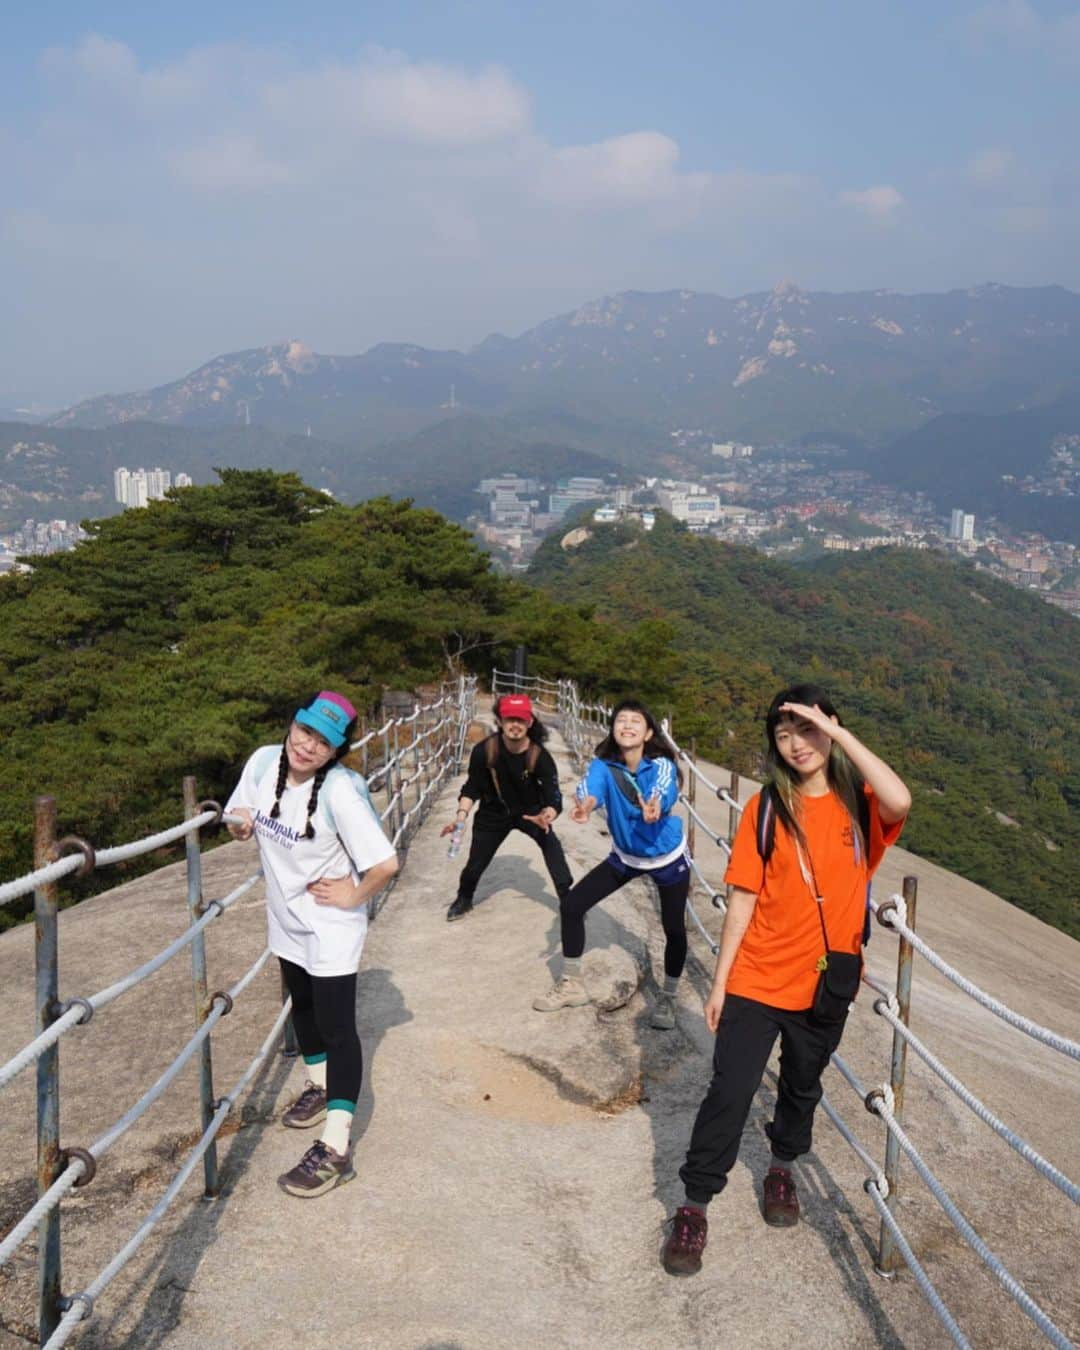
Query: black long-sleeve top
(520,793)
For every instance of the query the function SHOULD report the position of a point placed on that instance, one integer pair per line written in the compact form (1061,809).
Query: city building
(573,492)
(136,488)
(693,507)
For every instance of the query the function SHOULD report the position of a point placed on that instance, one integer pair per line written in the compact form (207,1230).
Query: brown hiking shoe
(318,1171)
(308,1109)
(686,1241)
(781,1208)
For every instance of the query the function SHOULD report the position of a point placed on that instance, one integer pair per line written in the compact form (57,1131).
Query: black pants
(324,1017)
(488,835)
(744,1041)
(601,882)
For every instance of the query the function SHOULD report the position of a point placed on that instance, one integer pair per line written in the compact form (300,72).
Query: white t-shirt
(323,939)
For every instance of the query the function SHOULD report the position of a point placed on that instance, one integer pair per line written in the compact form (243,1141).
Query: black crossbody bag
(839,972)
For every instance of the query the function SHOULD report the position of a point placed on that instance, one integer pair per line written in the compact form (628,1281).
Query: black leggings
(601,882)
(324,1017)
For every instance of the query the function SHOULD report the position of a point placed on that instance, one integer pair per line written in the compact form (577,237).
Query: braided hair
(316,782)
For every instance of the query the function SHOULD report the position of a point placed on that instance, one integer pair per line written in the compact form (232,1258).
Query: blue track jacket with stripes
(632,836)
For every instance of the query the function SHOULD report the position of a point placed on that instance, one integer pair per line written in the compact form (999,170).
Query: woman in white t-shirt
(324,855)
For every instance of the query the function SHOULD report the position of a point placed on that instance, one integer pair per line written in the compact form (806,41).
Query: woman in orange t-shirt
(837,808)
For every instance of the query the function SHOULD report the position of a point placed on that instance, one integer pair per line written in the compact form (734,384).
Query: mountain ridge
(763,365)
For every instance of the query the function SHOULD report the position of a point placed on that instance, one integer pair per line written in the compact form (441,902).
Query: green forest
(181,636)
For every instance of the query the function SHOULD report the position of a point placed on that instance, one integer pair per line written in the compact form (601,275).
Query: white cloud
(991,166)
(1020,24)
(233,161)
(879,203)
(97,59)
(638,168)
(437,105)
(381,95)
(1014,20)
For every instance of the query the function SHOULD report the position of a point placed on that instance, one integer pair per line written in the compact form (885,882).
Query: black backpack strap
(624,783)
(532,757)
(766,822)
(864,825)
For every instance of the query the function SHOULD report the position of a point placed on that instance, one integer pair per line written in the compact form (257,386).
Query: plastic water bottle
(456,836)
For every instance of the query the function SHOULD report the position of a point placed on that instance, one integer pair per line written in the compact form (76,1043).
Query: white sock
(571,967)
(671,985)
(316,1073)
(337,1129)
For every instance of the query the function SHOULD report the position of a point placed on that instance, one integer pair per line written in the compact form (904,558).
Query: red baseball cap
(514,705)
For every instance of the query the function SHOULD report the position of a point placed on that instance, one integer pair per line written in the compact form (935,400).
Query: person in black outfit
(515,781)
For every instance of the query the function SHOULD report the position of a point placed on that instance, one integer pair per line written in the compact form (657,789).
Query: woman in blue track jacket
(635,779)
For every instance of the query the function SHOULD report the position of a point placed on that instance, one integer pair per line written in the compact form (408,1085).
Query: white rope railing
(887,1008)
(926,1287)
(894,913)
(12,890)
(75,1170)
(1008,1282)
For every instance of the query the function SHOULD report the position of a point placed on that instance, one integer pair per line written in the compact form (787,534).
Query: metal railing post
(46,989)
(290,1046)
(732,819)
(691,797)
(889,1258)
(398,816)
(388,780)
(199,985)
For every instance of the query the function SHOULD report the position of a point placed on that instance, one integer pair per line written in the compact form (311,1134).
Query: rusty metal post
(396,816)
(388,780)
(889,1259)
(46,991)
(691,796)
(199,983)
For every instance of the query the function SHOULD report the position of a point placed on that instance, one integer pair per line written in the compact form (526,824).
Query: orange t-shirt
(777,960)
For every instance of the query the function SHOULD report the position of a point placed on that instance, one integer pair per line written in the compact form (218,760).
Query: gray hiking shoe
(663,1013)
(567,992)
(318,1171)
(308,1109)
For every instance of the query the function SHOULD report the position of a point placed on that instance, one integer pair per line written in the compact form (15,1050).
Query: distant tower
(243,403)
(453,399)
(309,431)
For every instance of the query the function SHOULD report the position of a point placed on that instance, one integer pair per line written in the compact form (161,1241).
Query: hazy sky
(179,181)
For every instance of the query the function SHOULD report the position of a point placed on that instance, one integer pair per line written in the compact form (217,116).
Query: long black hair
(320,774)
(657,745)
(843,777)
